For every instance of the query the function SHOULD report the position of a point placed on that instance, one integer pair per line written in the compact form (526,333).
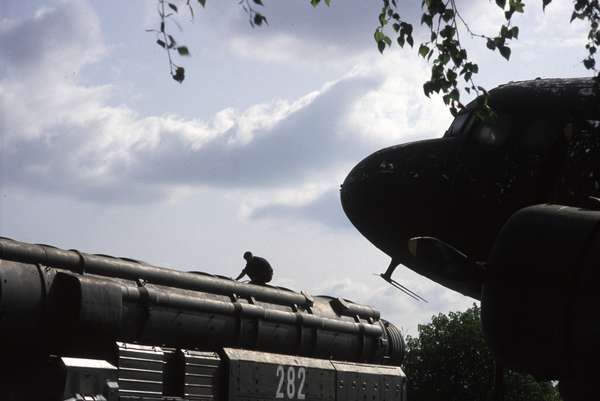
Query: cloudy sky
(102,151)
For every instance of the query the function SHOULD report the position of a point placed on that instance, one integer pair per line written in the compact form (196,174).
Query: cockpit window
(460,126)
(488,134)
(492,133)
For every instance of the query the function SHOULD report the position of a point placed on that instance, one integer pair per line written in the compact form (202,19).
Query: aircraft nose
(403,191)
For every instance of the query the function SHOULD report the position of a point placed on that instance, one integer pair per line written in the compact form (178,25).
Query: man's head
(247,255)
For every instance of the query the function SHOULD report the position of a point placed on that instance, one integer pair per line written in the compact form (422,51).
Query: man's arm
(242,274)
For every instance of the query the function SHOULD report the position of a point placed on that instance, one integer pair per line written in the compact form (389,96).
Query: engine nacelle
(540,298)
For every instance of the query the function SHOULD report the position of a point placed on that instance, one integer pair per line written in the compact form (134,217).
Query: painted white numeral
(291,383)
(302,377)
(281,376)
(287,377)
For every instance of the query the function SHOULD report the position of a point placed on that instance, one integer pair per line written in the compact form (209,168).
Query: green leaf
(447,32)
(515,32)
(448,15)
(451,75)
(446,99)
(504,51)
(387,40)
(427,19)
(378,35)
(501,3)
(516,5)
(427,88)
(179,75)
(172,6)
(410,41)
(314,3)
(259,19)
(202,2)
(327,3)
(423,50)
(381,46)
(589,63)
(259,2)
(490,44)
(183,51)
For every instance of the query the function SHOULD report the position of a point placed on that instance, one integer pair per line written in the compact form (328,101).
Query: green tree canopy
(449,360)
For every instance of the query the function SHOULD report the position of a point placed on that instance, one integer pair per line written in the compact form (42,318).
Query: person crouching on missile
(257,268)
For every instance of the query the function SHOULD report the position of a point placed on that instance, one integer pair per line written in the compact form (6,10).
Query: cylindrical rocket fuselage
(72,302)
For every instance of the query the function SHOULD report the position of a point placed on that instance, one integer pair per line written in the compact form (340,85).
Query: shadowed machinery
(504,210)
(78,326)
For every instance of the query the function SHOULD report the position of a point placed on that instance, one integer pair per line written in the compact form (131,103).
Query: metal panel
(357,381)
(202,375)
(263,376)
(141,370)
(89,377)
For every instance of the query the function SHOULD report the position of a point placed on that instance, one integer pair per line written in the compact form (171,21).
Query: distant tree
(449,361)
(452,71)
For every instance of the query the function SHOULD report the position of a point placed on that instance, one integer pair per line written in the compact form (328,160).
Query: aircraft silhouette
(542,146)
(505,210)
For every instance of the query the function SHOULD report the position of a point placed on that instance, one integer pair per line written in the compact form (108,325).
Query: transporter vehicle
(76,326)
(505,210)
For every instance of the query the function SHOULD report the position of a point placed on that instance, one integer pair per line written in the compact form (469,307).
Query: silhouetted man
(257,268)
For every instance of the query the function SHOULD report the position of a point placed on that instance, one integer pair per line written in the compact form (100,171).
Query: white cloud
(397,111)
(287,49)
(44,47)
(551,29)
(77,144)
(287,156)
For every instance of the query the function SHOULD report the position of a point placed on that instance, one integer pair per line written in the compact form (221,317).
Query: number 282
(290,382)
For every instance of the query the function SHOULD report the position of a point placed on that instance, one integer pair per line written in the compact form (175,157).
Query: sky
(100,150)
